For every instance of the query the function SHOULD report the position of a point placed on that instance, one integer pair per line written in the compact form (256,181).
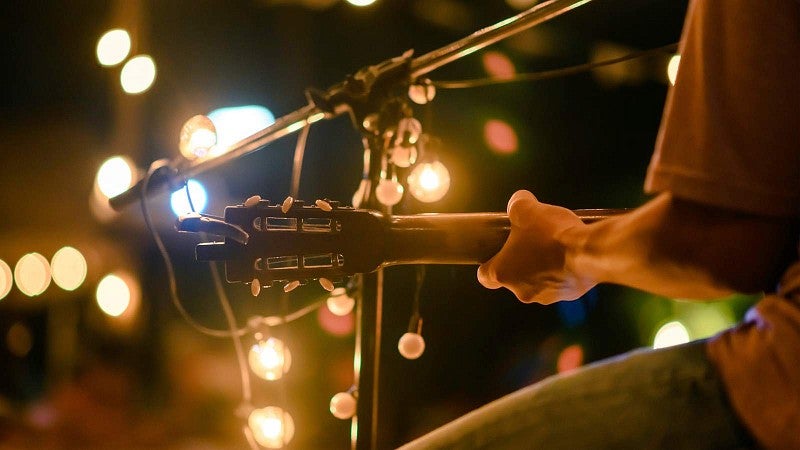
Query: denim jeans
(670,398)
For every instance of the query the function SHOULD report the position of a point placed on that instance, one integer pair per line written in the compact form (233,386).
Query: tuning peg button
(290,286)
(252,201)
(287,204)
(324,205)
(326,284)
(255,287)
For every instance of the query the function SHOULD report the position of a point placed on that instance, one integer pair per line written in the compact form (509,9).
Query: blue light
(180,203)
(238,122)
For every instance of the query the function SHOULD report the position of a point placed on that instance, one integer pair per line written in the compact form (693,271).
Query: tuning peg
(252,201)
(290,286)
(326,284)
(255,287)
(324,205)
(287,204)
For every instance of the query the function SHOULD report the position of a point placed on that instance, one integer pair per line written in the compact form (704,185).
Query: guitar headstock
(293,241)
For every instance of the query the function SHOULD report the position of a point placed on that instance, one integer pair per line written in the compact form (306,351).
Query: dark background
(584,142)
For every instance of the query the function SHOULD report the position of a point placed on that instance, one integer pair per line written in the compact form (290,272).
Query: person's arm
(669,247)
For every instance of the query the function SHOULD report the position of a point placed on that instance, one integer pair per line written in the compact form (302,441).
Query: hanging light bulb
(411,345)
(389,192)
(198,136)
(429,181)
(269,358)
(339,303)
(272,427)
(343,405)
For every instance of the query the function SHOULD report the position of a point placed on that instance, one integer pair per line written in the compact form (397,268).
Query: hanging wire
(548,74)
(297,161)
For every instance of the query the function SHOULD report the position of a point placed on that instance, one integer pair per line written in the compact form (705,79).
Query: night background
(75,377)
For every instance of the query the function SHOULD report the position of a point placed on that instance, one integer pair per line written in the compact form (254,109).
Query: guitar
(292,241)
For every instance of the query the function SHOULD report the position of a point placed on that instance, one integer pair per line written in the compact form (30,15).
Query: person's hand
(534,262)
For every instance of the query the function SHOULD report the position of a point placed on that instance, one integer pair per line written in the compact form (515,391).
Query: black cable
(548,74)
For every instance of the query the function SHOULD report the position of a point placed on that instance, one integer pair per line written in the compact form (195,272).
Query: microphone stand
(369,97)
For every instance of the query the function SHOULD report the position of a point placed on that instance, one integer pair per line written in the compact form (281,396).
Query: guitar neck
(464,238)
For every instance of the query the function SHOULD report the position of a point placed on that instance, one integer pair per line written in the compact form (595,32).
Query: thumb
(518,205)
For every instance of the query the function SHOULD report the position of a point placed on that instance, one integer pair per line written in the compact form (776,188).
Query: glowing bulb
(671,333)
(198,136)
(411,345)
(113,47)
(421,93)
(69,268)
(272,427)
(6,279)
(32,274)
(339,303)
(270,359)
(672,68)
(358,195)
(115,176)
(389,192)
(138,74)
(429,182)
(361,2)
(180,203)
(404,155)
(343,405)
(113,295)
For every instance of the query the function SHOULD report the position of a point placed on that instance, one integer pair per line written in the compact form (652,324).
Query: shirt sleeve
(730,135)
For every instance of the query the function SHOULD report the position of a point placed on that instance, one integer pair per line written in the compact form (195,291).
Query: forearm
(680,249)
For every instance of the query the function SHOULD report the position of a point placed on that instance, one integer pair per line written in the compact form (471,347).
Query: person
(725,218)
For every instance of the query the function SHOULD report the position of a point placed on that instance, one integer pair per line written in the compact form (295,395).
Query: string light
(672,68)
(6,279)
(389,192)
(361,2)
(69,268)
(113,47)
(114,295)
(343,405)
(272,427)
(115,176)
(32,274)
(180,204)
(411,345)
(198,136)
(138,74)
(429,182)
(339,303)
(671,333)
(269,358)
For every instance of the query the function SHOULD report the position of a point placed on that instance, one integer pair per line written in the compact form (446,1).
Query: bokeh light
(670,334)
(361,2)
(114,295)
(672,68)
(6,279)
(180,203)
(500,137)
(238,122)
(336,325)
(339,303)
(521,4)
(272,427)
(343,405)
(270,359)
(32,274)
(498,65)
(138,74)
(570,358)
(69,268)
(429,182)
(113,47)
(115,176)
